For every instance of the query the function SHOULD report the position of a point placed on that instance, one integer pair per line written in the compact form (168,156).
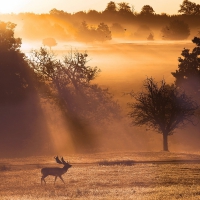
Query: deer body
(55,171)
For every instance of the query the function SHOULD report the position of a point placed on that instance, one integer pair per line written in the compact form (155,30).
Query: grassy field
(127,175)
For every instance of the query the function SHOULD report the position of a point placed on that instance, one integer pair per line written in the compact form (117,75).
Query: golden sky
(44,6)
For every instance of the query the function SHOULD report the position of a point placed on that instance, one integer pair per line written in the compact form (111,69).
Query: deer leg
(55,179)
(43,179)
(62,179)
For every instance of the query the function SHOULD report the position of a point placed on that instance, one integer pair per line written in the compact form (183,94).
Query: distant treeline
(118,20)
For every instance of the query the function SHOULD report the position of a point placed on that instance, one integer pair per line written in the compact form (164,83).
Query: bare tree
(162,108)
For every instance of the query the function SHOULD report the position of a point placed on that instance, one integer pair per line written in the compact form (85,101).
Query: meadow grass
(89,179)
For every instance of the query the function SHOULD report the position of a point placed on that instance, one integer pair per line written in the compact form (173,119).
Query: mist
(122,49)
(124,66)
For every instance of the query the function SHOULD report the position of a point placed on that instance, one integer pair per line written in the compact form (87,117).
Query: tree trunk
(165,142)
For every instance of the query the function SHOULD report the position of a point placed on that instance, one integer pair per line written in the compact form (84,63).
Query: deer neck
(65,168)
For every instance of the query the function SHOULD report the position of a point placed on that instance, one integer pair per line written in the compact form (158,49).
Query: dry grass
(89,180)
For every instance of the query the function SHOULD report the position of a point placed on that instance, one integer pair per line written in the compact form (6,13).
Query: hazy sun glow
(12,6)
(44,6)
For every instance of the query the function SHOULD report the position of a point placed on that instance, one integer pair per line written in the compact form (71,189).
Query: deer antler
(63,161)
(58,160)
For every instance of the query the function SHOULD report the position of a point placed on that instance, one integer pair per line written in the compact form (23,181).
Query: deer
(55,171)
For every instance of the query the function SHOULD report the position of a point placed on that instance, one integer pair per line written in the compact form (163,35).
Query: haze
(127,47)
(37,6)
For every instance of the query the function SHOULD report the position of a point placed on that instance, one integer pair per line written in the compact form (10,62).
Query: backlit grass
(89,180)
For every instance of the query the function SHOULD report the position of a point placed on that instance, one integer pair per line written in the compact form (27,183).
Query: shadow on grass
(4,168)
(132,162)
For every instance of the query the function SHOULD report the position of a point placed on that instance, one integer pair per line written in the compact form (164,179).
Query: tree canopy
(15,80)
(189,8)
(188,74)
(111,7)
(21,118)
(70,83)
(176,30)
(100,33)
(147,10)
(50,42)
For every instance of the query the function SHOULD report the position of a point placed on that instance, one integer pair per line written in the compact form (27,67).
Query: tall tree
(124,8)
(103,32)
(22,124)
(189,8)
(15,81)
(188,74)
(176,30)
(81,102)
(111,7)
(147,10)
(86,33)
(161,107)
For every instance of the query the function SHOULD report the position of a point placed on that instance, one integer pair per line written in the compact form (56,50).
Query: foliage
(15,81)
(124,7)
(64,26)
(124,10)
(150,37)
(21,118)
(111,7)
(189,8)
(117,30)
(188,74)
(50,42)
(103,32)
(70,85)
(91,34)
(176,30)
(147,10)
(142,32)
(162,108)
(7,40)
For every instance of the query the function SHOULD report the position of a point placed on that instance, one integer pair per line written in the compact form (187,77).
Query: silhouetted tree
(111,7)
(124,8)
(59,13)
(22,124)
(86,33)
(147,10)
(8,42)
(142,32)
(70,81)
(124,11)
(189,8)
(90,34)
(82,103)
(117,30)
(15,81)
(162,108)
(188,74)
(94,15)
(50,42)
(150,37)
(176,30)
(103,32)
